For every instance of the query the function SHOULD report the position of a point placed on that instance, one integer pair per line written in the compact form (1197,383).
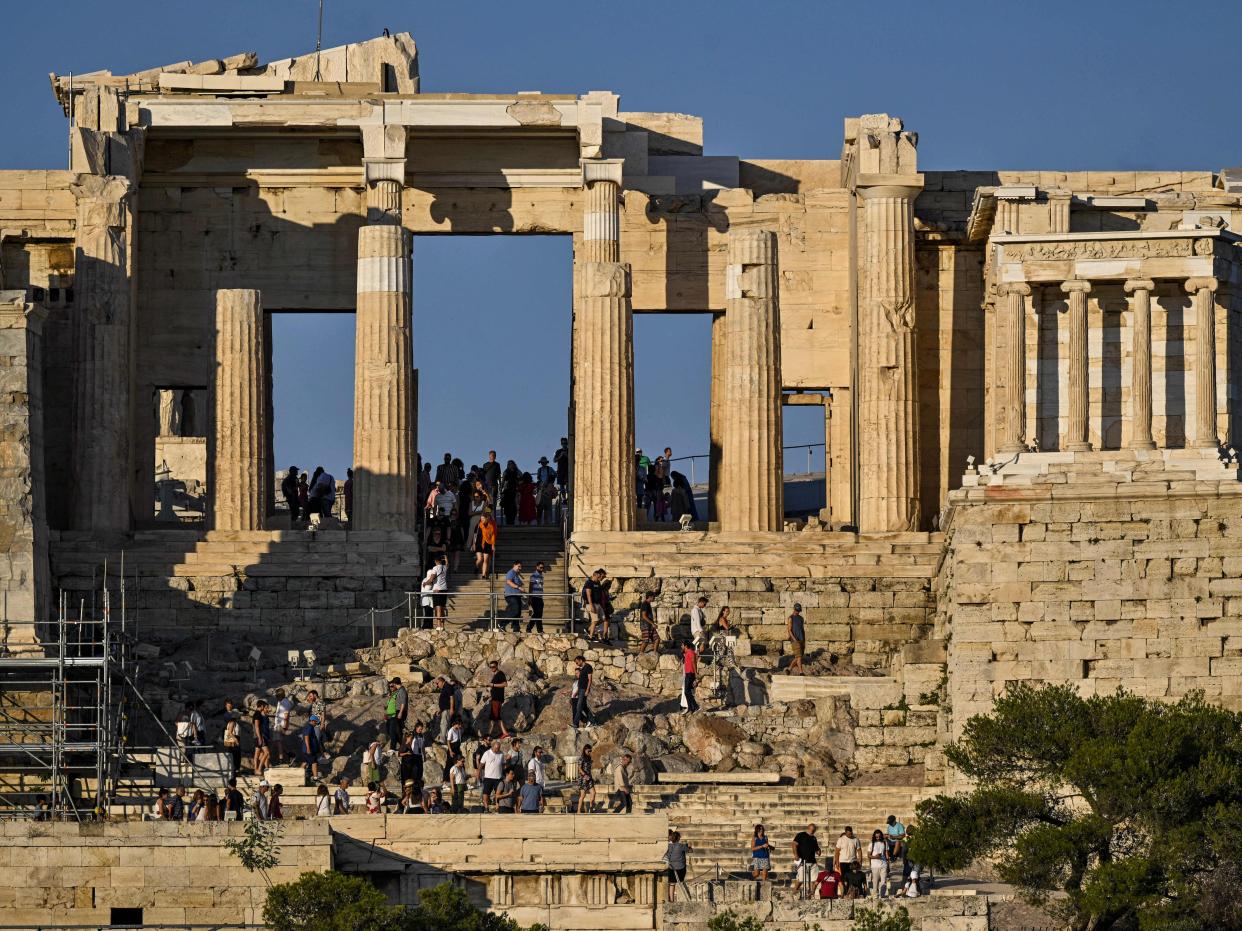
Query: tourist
(499,682)
(304,497)
(455,734)
(233,801)
(198,723)
(545,504)
(605,599)
(877,861)
(796,628)
(289,491)
(375,798)
(724,625)
(760,854)
(690,669)
(436,805)
(411,801)
(508,495)
(535,768)
(319,709)
(676,857)
(806,852)
(580,691)
(438,576)
(490,773)
(323,801)
(447,704)
(848,859)
(534,585)
(160,807)
(198,806)
(284,709)
(648,632)
(513,585)
(183,731)
(424,483)
(485,547)
(530,796)
(323,488)
(457,782)
(412,768)
(507,794)
(477,507)
(895,837)
(681,497)
(259,804)
(309,748)
(491,473)
(622,789)
(446,474)
(215,809)
(340,798)
(276,806)
(698,622)
(373,760)
(513,760)
(231,737)
(526,500)
(642,463)
(262,732)
(176,804)
(655,490)
(560,459)
(592,601)
(396,711)
(586,780)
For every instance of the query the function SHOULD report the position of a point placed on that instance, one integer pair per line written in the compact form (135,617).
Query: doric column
(1140,364)
(101,409)
(1013,369)
(385,471)
(754,475)
(1204,291)
(238,482)
(887,404)
(1078,439)
(715,458)
(603,468)
(601,220)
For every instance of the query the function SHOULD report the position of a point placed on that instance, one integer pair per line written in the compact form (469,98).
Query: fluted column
(751,457)
(1204,291)
(887,404)
(1078,439)
(385,471)
(715,468)
(1140,364)
(238,482)
(603,468)
(385,181)
(1013,440)
(601,219)
(101,393)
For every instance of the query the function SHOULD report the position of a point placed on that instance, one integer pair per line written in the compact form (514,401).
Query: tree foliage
(258,849)
(1127,806)
(729,920)
(881,918)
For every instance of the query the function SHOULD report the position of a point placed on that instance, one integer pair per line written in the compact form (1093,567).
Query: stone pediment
(1116,256)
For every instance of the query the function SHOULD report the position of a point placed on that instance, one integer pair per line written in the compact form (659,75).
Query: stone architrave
(101,355)
(1078,439)
(753,498)
(385,468)
(238,484)
(601,220)
(1203,291)
(603,497)
(1013,370)
(1140,362)
(887,404)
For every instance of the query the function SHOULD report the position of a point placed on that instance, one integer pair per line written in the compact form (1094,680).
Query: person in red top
(690,668)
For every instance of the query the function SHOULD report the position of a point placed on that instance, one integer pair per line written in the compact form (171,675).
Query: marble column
(603,468)
(888,432)
(385,180)
(1013,369)
(1078,439)
(239,478)
(1204,434)
(715,465)
(385,470)
(601,218)
(1140,364)
(754,498)
(102,359)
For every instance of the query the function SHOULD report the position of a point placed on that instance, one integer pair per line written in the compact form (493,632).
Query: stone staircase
(471,596)
(718,820)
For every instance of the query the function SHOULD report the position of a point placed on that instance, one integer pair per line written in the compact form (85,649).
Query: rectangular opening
(125,917)
(804,442)
(180,449)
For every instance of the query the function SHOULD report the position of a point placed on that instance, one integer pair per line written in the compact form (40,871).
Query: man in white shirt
(491,772)
(340,798)
(848,861)
(262,807)
(698,622)
(284,708)
(439,589)
(535,768)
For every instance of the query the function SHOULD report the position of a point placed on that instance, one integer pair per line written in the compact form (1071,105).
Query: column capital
(875,186)
(1139,284)
(601,169)
(1201,284)
(1015,287)
(1076,285)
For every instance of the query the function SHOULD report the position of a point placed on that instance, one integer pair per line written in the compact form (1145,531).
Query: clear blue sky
(1101,85)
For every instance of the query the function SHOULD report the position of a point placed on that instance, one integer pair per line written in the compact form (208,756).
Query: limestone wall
(939,912)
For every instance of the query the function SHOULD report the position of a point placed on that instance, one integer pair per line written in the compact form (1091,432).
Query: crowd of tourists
(663,493)
(314,494)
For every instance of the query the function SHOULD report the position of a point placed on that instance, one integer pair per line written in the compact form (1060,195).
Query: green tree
(881,918)
(728,920)
(446,908)
(258,849)
(1127,806)
(331,901)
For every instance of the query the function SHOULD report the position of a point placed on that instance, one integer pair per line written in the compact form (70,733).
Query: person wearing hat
(309,747)
(261,804)
(797,639)
(396,711)
(545,474)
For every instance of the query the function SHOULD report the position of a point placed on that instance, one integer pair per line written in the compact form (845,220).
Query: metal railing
(810,458)
(465,610)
